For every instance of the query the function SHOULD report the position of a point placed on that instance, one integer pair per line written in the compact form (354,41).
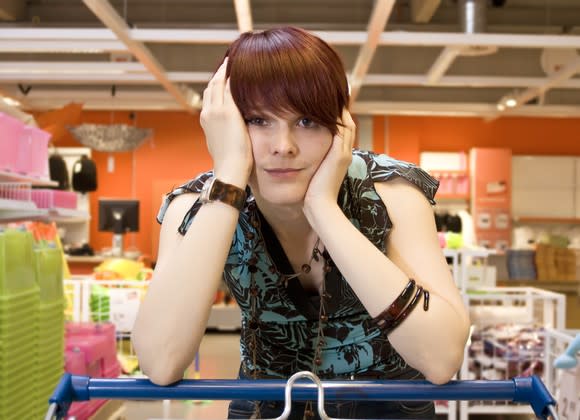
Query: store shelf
(15,210)
(68,215)
(85,258)
(548,220)
(19,210)
(559,286)
(13,177)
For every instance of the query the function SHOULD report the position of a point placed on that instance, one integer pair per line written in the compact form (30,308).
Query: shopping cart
(528,390)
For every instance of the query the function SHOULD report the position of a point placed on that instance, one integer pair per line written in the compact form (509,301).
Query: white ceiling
(410,57)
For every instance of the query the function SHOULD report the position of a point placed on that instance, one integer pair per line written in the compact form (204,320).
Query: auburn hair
(287,69)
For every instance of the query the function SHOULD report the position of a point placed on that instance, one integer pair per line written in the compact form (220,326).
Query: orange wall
(177,152)
(408,136)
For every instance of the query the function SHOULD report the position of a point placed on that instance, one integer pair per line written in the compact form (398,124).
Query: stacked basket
(51,323)
(19,310)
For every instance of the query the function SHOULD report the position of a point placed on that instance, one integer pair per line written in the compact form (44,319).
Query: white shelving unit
(19,205)
(13,177)
(528,307)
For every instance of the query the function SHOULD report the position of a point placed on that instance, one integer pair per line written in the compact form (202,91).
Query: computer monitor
(118,216)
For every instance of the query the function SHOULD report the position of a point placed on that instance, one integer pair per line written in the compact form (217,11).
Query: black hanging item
(84,175)
(58,171)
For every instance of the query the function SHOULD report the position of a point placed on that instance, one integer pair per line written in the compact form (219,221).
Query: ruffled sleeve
(193,186)
(384,168)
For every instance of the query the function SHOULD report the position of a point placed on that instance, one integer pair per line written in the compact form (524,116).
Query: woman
(331,253)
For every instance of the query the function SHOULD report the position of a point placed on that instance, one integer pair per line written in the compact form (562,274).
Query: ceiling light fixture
(510,102)
(11,102)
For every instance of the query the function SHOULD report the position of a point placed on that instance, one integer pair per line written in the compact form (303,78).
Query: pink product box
(96,349)
(112,371)
(104,333)
(32,157)
(48,199)
(11,131)
(74,362)
(90,328)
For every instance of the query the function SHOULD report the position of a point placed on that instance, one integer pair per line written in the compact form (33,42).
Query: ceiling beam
(224,37)
(556,79)
(379,18)
(12,10)
(462,81)
(109,16)
(243,15)
(164,102)
(423,10)
(469,109)
(70,47)
(72,67)
(441,64)
(108,73)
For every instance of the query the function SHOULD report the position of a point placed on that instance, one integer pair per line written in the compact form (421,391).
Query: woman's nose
(284,142)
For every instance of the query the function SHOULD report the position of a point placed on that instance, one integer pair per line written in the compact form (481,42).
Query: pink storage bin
(112,371)
(64,199)
(90,328)
(94,349)
(39,156)
(32,156)
(104,333)
(11,131)
(74,362)
(49,199)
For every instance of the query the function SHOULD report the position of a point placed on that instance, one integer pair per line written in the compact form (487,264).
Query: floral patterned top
(280,320)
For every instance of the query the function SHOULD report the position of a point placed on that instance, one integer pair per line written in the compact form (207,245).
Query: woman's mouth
(282,172)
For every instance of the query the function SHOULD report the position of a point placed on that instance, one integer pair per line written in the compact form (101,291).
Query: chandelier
(110,138)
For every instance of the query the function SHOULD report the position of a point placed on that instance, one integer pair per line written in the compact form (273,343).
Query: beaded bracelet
(410,307)
(385,318)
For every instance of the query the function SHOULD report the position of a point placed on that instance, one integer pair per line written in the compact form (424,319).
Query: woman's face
(288,150)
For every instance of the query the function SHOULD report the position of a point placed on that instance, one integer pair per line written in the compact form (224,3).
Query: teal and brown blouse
(280,320)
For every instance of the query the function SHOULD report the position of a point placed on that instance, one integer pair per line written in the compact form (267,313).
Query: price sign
(569,394)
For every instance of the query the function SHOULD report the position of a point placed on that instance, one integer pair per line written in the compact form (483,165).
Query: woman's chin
(283,196)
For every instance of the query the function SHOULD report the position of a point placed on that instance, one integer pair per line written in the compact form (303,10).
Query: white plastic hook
(288,395)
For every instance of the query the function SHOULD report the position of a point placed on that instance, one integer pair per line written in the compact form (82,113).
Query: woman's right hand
(226,133)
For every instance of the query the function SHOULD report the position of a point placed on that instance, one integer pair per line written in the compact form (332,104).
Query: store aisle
(219,359)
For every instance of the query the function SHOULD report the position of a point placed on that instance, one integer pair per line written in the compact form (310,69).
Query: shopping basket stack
(19,326)
(50,348)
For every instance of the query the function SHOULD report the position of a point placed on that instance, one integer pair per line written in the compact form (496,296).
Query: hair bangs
(287,70)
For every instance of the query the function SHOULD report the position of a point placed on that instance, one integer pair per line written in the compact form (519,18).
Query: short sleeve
(384,168)
(193,186)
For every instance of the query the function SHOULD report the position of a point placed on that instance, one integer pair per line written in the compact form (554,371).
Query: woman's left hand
(325,184)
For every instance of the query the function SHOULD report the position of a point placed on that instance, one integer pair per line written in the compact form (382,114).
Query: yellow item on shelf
(129,364)
(118,269)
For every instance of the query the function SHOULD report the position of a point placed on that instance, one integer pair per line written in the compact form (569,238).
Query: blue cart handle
(529,390)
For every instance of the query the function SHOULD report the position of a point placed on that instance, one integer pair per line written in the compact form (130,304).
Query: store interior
(100,118)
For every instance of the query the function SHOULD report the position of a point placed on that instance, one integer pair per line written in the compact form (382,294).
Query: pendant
(306,268)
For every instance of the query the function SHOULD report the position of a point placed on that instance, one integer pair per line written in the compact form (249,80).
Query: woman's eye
(256,121)
(307,123)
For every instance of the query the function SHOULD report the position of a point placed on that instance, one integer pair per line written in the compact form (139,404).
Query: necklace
(254,319)
(306,267)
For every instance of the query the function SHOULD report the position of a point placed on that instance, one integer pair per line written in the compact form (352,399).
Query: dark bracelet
(410,307)
(385,318)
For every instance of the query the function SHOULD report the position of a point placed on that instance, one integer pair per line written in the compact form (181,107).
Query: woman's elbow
(157,366)
(159,375)
(442,371)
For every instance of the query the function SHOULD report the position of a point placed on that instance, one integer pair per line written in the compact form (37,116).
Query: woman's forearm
(173,316)
(431,341)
